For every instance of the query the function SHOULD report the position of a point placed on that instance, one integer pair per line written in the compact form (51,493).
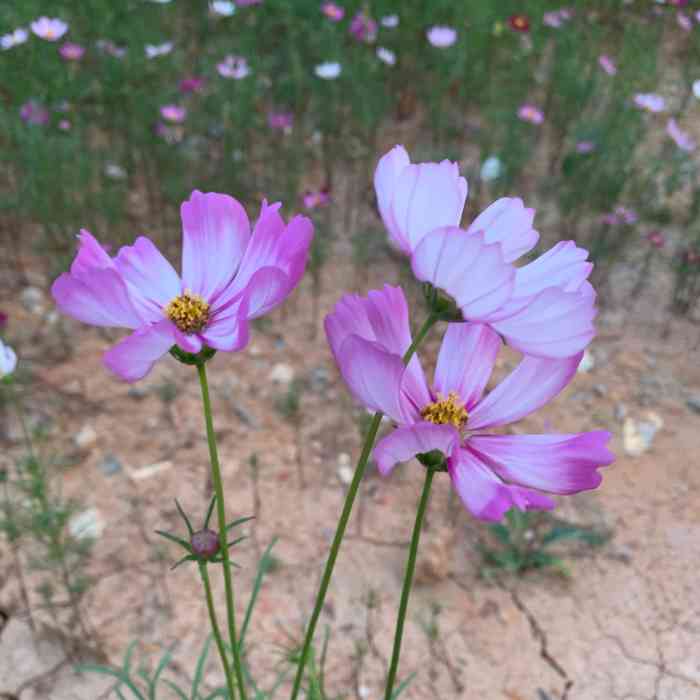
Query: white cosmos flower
(8,360)
(386,55)
(491,168)
(328,70)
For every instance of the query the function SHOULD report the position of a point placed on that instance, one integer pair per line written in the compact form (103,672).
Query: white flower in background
(235,67)
(160,2)
(328,71)
(154,50)
(491,168)
(390,21)
(224,8)
(696,89)
(442,37)
(8,360)
(386,55)
(114,171)
(19,36)
(51,29)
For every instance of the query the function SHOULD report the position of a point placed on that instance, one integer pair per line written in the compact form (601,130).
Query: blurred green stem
(221,515)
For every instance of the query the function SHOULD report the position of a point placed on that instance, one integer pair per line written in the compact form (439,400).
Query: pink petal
(484,494)
(405,443)
(473,273)
(230,333)
(151,278)
(428,196)
(216,231)
(99,297)
(380,317)
(509,223)
(555,463)
(189,342)
(467,355)
(90,255)
(386,176)
(532,384)
(373,376)
(554,324)
(133,357)
(267,288)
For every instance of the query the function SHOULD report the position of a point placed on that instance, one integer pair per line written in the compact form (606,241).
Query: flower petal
(372,375)
(405,443)
(133,357)
(472,272)
(90,255)
(555,324)
(467,355)
(386,176)
(230,333)
(150,275)
(484,494)
(99,297)
(189,342)
(509,223)
(267,288)
(216,232)
(532,384)
(555,463)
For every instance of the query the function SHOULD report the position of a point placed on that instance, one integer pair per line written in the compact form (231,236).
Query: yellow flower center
(189,312)
(446,411)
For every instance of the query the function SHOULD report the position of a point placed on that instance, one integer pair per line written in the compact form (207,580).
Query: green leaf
(117,673)
(402,686)
(263,566)
(240,521)
(184,517)
(177,690)
(164,661)
(174,538)
(501,532)
(220,693)
(571,532)
(189,557)
(128,656)
(210,510)
(199,670)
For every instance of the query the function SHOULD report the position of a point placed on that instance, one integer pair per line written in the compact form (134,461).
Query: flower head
(329,70)
(15,38)
(173,113)
(280,121)
(386,56)
(491,169)
(681,138)
(585,147)
(657,239)
(684,22)
(363,28)
(650,101)
(51,29)
(333,11)
(491,473)
(8,359)
(33,112)
(223,8)
(390,21)
(696,88)
(520,23)
(442,37)
(71,52)
(313,200)
(193,83)
(530,113)
(607,64)
(155,50)
(229,276)
(3,320)
(235,67)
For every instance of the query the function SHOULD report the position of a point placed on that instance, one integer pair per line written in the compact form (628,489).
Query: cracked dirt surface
(626,626)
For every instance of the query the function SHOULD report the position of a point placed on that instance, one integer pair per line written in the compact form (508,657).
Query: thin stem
(221,515)
(407,582)
(215,629)
(345,516)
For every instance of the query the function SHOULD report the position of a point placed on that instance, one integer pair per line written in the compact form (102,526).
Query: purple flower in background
(491,473)
(109,47)
(585,147)
(681,138)
(314,200)
(620,215)
(173,113)
(247,3)
(545,308)
(657,239)
(607,64)
(363,28)
(51,29)
(192,84)
(684,22)
(650,101)
(64,125)
(556,18)
(229,277)
(530,113)
(155,50)
(334,12)
(33,112)
(71,52)
(3,320)
(442,37)
(235,67)
(281,121)
(15,38)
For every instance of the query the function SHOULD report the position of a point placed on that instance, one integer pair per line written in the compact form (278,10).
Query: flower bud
(205,544)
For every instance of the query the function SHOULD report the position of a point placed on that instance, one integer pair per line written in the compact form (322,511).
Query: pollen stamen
(446,411)
(189,312)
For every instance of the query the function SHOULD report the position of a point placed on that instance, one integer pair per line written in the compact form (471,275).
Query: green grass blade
(199,670)
(263,567)
(184,517)
(174,688)
(162,665)
(402,686)
(117,673)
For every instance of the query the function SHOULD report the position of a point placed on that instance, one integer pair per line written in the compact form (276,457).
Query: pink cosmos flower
(657,239)
(15,38)
(173,113)
(32,112)
(64,125)
(682,139)
(442,37)
(607,64)
(235,67)
(281,121)
(3,320)
(545,308)
(229,276)
(530,113)
(313,200)
(491,473)
(650,101)
(363,28)
(71,52)
(192,84)
(49,29)
(334,12)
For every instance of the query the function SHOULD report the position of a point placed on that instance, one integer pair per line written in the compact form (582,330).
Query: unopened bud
(205,543)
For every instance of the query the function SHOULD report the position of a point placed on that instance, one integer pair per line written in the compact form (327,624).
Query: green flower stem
(215,629)
(221,515)
(408,581)
(345,516)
